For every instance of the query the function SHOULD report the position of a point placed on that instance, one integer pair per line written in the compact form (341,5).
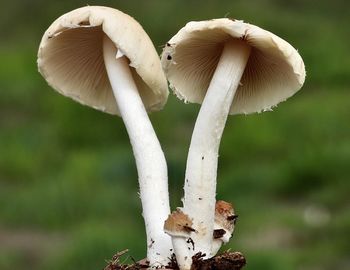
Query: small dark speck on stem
(169,57)
(190,241)
(152,242)
(200,199)
(202,157)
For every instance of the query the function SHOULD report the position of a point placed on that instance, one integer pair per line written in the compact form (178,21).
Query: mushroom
(224,225)
(231,67)
(179,226)
(102,58)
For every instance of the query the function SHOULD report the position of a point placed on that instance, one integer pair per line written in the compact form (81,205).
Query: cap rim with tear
(274,72)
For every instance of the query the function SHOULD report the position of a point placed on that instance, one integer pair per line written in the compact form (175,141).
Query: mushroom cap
(178,224)
(70,58)
(274,72)
(223,216)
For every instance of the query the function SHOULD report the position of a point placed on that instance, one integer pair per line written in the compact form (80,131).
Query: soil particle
(227,261)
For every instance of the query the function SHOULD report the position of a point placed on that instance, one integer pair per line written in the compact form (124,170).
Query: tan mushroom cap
(274,72)
(70,58)
(223,213)
(178,224)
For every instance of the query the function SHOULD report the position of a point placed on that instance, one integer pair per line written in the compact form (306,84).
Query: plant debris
(227,261)
(115,263)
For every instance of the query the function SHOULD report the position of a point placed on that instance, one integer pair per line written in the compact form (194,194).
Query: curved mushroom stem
(202,160)
(150,160)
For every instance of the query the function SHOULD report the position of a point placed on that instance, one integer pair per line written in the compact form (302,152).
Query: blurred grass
(67,174)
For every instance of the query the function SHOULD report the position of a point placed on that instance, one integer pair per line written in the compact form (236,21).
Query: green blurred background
(68,191)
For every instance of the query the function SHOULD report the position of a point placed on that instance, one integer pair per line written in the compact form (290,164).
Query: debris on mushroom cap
(70,58)
(218,233)
(178,224)
(224,218)
(274,72)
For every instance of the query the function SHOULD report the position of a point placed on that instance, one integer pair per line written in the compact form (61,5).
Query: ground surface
(227,261)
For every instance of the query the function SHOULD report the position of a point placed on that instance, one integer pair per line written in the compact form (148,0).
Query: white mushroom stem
(217,243)
(150,160)
(201,170)
(183,255)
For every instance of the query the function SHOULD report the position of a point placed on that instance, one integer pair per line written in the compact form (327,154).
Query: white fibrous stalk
(201,170)
(150,160)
